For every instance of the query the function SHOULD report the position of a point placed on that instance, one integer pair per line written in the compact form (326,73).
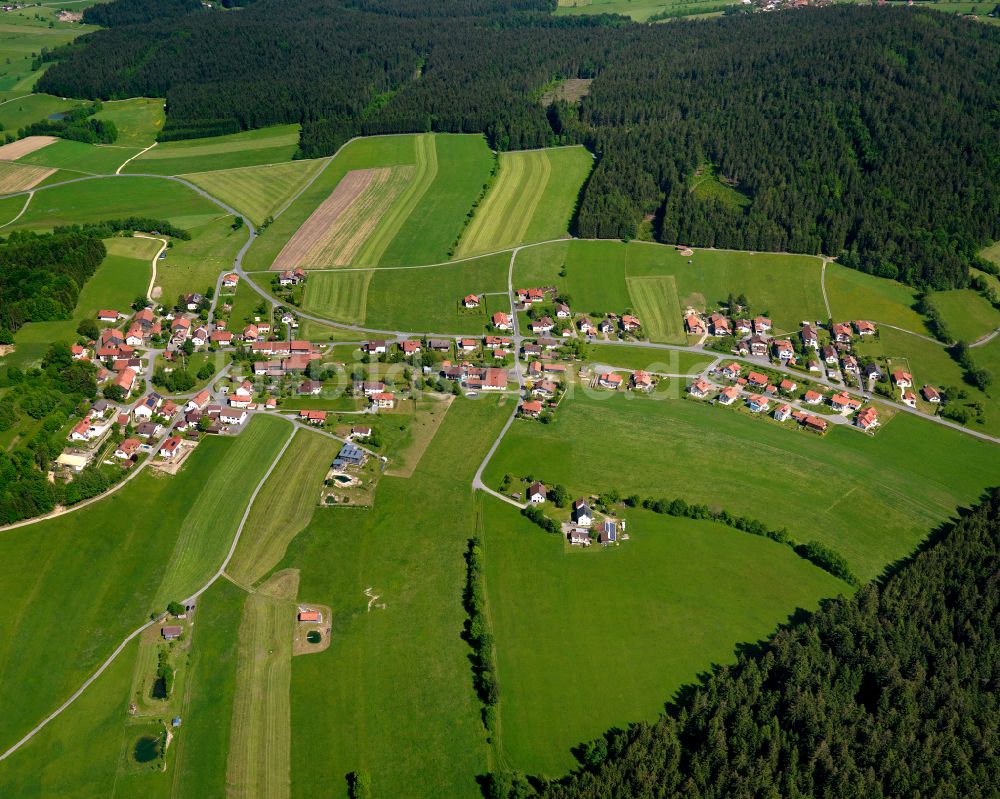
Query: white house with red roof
(230,281)
(170,448)
(609,380)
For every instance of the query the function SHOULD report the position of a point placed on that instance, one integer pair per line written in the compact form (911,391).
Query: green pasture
(10,207)
(992,253)
(856,295)
(393,694)
(533,199)
(194,265)
(435,222)
(214,511)
(655,301)
(708,186)
(967,313)
(139,120)
(340,296)
(641,10)
(113,198)
(258,191)
(663,361)
(16,113)
(284,506)
(588,640)
(785,287)
(872,499)
(249,148)
(379,151)
(77,156)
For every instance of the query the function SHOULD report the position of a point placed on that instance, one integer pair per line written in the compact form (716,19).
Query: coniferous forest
(890,693)
(869,133)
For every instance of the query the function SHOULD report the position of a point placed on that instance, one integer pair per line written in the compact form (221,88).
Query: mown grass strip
(340,296)
(659,310)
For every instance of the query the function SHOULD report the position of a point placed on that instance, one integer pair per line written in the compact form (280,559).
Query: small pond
(314,637)
(147,749)
(343,479)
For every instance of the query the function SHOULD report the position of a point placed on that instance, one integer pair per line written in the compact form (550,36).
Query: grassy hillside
(249,148)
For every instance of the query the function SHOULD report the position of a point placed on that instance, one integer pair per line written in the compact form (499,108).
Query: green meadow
(707,185)
(10,207)
(855,295)
(77,156)
(21,111)
(642,10)
(393,694)
(664,361)
(655,301)
(340,296)
(249,148)
(195,264)
(533,199)
(872,499)
(592,639)
(113,198)
(258,191)
(967,313)
(24,33)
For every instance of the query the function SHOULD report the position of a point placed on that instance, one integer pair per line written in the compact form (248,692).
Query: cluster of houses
(761,395)
(637,381)
(561,319)
(584,527)
(754,338)
(903,380)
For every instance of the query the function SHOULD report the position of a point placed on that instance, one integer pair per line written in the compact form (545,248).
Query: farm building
(349,455)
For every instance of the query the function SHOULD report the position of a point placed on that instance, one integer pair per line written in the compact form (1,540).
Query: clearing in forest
(533,199)
(258,191)
(259,762)
(655,301)
(14,177)
(334,233)
(341,296)
(25,146)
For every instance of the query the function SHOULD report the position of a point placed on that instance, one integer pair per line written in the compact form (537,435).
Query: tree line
(890,692)
(864,132)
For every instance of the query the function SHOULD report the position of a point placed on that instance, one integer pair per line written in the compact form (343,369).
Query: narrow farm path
(985,339)
(152,277)
(125,162)
(131,636)
(822,285)
(27,202)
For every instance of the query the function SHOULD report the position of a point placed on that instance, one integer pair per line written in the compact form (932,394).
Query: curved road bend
(131,636)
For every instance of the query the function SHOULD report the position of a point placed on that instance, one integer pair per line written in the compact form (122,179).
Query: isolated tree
(175,608)
(238,223)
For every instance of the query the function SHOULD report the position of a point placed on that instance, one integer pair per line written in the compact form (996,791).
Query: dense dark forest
(891,693)
(857,131)
(131,12)
(41,275)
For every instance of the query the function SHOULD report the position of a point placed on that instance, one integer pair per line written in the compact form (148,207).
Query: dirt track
(25,146)
(322,222)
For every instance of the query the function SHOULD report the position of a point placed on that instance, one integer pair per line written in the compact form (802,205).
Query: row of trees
(477,634)
(854,130)
(890,692)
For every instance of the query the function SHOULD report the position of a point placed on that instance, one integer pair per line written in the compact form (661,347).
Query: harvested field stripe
(284,507)
(259,763)
(342,297)
(427,166)
(26,146)
(15,177)
(657,306)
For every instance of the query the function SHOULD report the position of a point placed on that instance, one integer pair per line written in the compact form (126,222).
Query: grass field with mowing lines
(673,362)
(872,499)
(78,156)
(436,221)
(17,177)
(340,296)
(214,514)
(139,120)
(250,148)
(654,299)
(41,588)
(967,313)
(393,694)
(428,299)
(258,191)
(114,198)
(855,295)
(195,264)
(392,219)
(588,640)
(428,414)
(284,506)
(358,154)
(259,754)
(569,168)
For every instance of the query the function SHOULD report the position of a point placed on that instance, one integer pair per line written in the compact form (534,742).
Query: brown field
(15,177)
(26,146)
(335,231)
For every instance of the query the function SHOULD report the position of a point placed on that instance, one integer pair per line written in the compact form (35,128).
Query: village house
(867,419)
(82,430)
(582,514)
(410,348)
(579,536)
(222,338)
(536,493)
(383,400)
(586,326)
(830,355)
(693,325)
(192,301)
(931,394)
(630,323)
(902,379)
(761,324)
(374,347)
(731,371)
(251,333)
(171,632)
(842,333)
(438,344)
(609,380)
(718,325)
(546,389)
(815,423)
(78,352)
(787,386)
(288,318)
(495,379)
(149,430)
(871,371)
(530,296)
(784,350)
(757,403)
(844,402)
(349,455)
(757,380)
(369,387)
(563,311)
(865,328)
(292,277)
(198,401)
(470,301)
(809,337)
(230,281)
(313,417)
(128,448)
(502,321)
(849,364)
(531,408)
(909,398)
(641,381)
(608,534)
(782,412)
(757,345)
(170,448)
(233,417)
(360,432)
(125,379)
(743,326)
(310,388)
(200,336)
(135,336)
(468,345)
(543,325)
(728,395)
(606,326)
(700,388)
(107,316)
(812,397)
